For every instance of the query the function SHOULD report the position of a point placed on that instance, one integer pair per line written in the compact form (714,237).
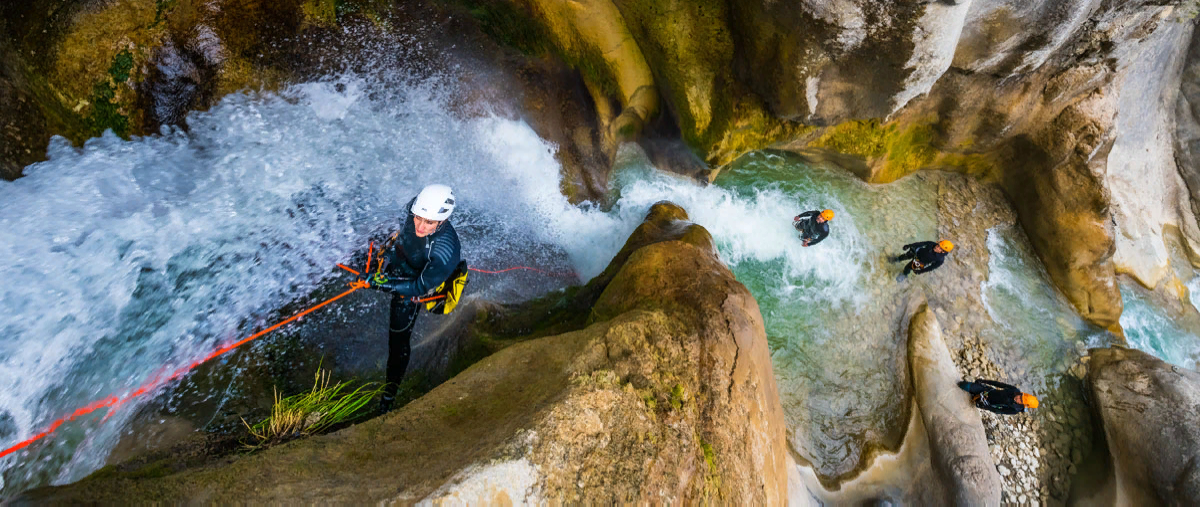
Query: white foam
(123,258)
(755,225)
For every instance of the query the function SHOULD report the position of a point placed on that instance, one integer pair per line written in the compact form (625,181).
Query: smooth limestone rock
(958,444)
(944,458)
(1150,199)
(1068,104)
(1150,411)
(667,396)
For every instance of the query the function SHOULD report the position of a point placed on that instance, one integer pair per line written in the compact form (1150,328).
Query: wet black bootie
(385,404)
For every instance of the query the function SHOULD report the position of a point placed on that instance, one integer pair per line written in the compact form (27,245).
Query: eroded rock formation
(1069,105)
(666,395)
(1149,411)
(958,445)
(944,458)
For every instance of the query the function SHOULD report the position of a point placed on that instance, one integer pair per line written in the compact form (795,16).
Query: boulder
(1147,407)
(957,441)
(666,395)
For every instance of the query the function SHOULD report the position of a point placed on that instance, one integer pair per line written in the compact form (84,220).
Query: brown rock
(1149,410)
(668,395)
(958,444)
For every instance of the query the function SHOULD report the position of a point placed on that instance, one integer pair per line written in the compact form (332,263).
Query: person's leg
(400,327)
(908,254)
(908,269)
(972,387)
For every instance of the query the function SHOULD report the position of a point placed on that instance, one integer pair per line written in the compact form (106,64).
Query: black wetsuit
(809,229)
(415,266)
(923,257)
(994,396)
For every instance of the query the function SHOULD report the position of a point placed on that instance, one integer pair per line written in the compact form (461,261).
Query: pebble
(1004,471)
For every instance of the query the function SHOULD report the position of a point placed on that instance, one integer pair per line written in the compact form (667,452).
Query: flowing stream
(122,259)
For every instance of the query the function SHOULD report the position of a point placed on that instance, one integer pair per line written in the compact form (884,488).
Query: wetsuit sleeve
(809,215)
(929,267)
(998,385)
(822,233)
(918,245)
(443,258)
(1006,408)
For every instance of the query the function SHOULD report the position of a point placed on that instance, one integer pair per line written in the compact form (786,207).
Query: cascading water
(1151,329)
(124,259)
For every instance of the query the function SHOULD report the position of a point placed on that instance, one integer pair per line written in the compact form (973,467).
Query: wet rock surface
(1148,410)
(1036,453)
(957,442)
(667,394)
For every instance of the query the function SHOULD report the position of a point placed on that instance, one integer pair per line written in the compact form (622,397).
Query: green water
(834,313)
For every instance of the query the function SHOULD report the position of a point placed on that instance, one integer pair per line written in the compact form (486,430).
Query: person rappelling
(420,259)
(813,226)
(998,397)
(923,257)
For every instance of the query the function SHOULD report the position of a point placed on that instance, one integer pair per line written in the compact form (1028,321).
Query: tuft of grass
(314,411)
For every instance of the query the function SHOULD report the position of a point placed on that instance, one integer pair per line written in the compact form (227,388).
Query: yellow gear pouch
(452,288)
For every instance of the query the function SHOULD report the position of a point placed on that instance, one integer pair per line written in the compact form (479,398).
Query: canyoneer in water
(419,258)
(998,397)
(813,225)
(923,256)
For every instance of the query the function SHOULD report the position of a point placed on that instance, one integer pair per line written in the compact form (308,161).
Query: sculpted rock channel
(666,395)
(944,458)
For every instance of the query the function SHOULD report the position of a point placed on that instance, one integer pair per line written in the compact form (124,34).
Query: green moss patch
(895,150)
(106,110)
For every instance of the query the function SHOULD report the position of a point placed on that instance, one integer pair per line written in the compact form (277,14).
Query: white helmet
(435,202)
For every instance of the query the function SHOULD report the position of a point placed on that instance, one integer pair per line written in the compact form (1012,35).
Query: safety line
(115,401)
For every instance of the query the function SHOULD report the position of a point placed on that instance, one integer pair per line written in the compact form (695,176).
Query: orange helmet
(946,245)
(827,214)
(1029,400)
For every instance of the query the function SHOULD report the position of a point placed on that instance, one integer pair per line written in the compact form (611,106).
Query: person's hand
(796,219)
(806,242)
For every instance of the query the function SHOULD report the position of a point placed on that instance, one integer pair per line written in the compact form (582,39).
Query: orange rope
(115,401)
(370,250)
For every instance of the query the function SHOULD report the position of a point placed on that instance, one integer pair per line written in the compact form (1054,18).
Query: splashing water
(825,307)
(123,259)
(1149,328)
(1035,326)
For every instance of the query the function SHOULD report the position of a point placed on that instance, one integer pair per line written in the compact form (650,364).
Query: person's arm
(998,385)
(807,215)
(917,245)
(443,259)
